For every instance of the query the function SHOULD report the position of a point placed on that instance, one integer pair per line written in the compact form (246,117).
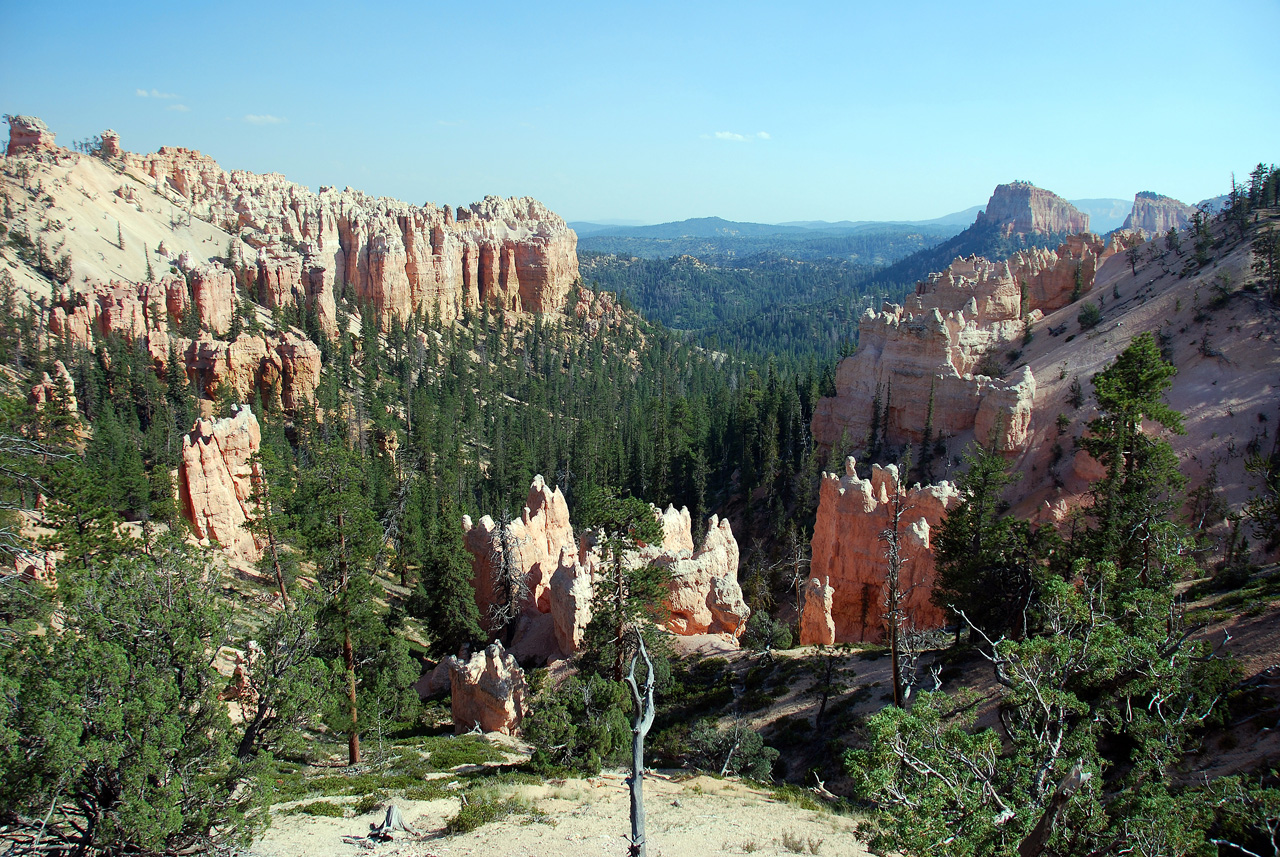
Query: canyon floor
(691,817)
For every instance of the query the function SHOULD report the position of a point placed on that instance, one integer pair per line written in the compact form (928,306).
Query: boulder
(488,689)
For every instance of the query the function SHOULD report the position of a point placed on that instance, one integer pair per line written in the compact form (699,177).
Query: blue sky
(662,111)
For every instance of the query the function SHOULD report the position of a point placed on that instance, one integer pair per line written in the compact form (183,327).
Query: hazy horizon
(749,112)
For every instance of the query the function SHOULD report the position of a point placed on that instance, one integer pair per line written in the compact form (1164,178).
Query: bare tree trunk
(348,651)
(640,729)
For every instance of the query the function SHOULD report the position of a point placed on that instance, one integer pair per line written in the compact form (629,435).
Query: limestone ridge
(1154,214)
(513,254)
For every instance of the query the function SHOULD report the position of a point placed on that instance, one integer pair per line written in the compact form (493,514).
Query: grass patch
(429,790)
(484,808)
(320,809)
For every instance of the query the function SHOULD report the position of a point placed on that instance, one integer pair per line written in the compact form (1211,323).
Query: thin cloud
(735,137)
(263,119)
(181,108)
(155,93)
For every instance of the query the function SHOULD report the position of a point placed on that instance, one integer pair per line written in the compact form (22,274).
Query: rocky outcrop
(51,387)
(570,601)
(704,595)
(488,690)
(215,481)
(936,347)
(849,553)
(284,364)
(817,627)
(29,135)
(559,573)
(1154,214)
(110,144)
(1022,208)
(213,288)
(514,253)
(537,538)
(37,566)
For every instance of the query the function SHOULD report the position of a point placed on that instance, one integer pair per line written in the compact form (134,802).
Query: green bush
(482,809)
(1090,315)
(320,808)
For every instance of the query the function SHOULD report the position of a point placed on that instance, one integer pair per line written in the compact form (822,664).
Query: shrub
(1090,315)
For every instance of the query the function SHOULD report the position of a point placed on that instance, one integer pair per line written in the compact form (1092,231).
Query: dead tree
(894,615)
(644,713)
(510,586)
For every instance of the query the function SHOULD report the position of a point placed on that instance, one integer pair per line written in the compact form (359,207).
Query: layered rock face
(254,362)
(817,627)
(511,253)
(215,481)
(849,554)
(935,345)
(559,573)
(488,690)
(1022,208)
(30,135)
(1154,214)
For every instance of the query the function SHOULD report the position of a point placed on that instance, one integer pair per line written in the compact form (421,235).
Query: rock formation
(538,537)
(817,627)
(27,134)
(1154,214)
(49,388)
(959,323)
(1022,208)
(110,144)
(514,254)
(705,597)
(38,566)
(849,553)
(215,481)
(559,573)
(570,601)
(488,690)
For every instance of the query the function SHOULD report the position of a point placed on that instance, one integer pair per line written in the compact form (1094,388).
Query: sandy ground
(694,818)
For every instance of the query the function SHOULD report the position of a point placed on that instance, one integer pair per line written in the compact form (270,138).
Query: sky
(662,111)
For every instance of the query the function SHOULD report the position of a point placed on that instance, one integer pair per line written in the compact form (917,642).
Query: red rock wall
(849,555)
(513,253)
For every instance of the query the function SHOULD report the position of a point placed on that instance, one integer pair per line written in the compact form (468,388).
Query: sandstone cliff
(946,344)
(849,554)
(1154,214)
(402,259)
(1022,208)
